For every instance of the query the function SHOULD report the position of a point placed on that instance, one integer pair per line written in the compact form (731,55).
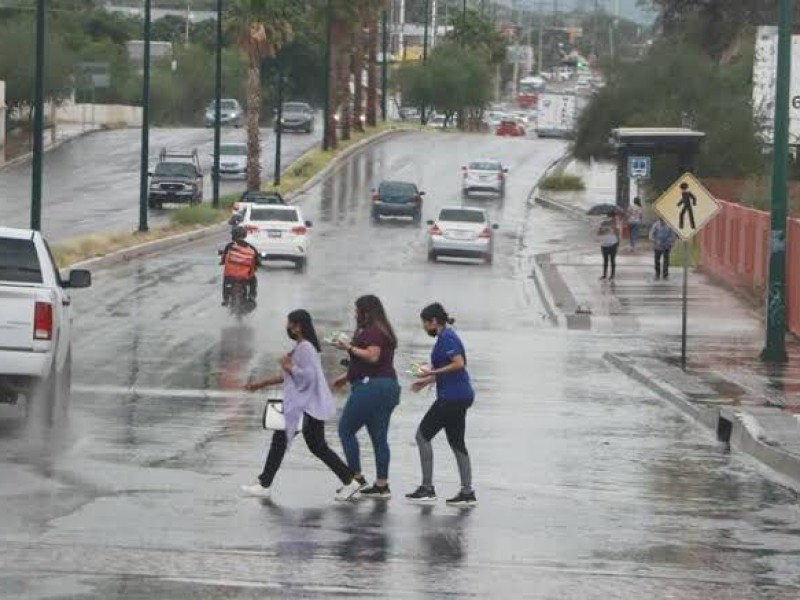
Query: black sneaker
(463,499)
(381,492)
(422,494)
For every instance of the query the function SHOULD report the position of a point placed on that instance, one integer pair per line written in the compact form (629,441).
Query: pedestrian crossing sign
(687,206)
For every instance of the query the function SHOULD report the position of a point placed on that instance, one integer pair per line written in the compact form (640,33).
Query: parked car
(232,160)
(409,113)
(397,199)
(463,233)
(176,178)
(35,322)
(231,113)
(277,232)
(436,121)
(296,116)
(484,175)
(510,128)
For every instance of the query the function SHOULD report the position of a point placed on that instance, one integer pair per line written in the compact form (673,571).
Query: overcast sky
(627,8)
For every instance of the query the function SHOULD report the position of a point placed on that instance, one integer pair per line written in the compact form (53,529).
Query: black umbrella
(604,210)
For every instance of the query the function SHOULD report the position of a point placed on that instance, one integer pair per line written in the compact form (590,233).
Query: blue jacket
(662,236)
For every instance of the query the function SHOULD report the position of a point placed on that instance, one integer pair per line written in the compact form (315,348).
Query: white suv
(484,175)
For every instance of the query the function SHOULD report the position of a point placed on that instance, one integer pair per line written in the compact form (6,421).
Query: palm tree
(261,27)
(374,8)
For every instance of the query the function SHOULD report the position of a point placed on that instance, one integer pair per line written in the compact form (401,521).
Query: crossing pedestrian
(663,239)
(635,216)
(608,236)
(306,397)
(374,391)
(454,396)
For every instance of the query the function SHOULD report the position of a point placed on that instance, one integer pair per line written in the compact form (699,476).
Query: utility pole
(434,23)
(775,347)
(188,19)
(463,23)
(423,117)
(217,109)
(38,121)
(385,64)
(145,145)
(276,177)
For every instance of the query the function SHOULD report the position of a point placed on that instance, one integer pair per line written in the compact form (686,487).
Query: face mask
(291,334)
(432,332)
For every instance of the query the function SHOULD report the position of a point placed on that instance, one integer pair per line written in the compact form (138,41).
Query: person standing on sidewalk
(608,235)
(454,396)
(663,239)
(306,395)
(635,216)
(374,391)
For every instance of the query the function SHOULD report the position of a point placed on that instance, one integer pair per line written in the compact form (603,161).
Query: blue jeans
(369,404)
(633,231)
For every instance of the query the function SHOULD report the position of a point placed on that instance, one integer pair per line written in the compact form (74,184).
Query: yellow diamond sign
(687,206)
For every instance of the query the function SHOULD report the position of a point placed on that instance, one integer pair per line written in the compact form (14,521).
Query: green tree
(17,64)
(672,84)
(477,32)
(453,79)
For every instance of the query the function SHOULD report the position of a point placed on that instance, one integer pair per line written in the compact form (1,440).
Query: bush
(562,183)
(200,214)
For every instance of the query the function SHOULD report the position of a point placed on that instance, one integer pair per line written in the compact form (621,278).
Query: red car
(510,128)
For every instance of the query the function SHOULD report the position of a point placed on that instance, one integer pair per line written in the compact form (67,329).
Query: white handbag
(273,418)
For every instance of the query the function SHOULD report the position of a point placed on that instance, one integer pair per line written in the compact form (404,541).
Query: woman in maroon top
(374,391)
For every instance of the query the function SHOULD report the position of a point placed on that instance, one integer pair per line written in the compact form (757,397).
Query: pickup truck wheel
(55,393)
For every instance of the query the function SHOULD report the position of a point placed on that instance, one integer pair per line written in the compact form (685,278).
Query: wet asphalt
(91,184)
(589,486)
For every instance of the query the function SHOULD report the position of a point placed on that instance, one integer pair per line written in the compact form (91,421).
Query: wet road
(91,184)
(589,486)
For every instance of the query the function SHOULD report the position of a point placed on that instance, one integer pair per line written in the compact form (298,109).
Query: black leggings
(610,256)
(450,415)
(314,434)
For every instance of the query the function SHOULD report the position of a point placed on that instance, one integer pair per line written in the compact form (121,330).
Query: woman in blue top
(454,395)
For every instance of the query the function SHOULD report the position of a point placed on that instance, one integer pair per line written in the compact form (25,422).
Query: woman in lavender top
(305,394)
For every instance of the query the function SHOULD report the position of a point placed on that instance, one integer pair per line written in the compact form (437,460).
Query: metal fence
(734,247)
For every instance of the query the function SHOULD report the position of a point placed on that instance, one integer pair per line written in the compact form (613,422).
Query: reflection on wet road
(91,185)
(589,487)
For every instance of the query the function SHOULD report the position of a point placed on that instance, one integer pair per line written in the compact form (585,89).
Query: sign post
(687,206)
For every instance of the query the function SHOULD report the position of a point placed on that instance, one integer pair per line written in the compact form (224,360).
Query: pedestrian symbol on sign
(687,203)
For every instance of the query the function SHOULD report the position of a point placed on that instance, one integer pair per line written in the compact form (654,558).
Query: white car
(35,322)
(463,233)
(436,121)
(232,159)
(494,117)
(277,233)
(485,175)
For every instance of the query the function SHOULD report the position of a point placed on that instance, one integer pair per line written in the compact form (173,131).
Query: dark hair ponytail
(303,318)
(436,312)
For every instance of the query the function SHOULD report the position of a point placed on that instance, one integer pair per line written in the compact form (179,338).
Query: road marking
(154,392)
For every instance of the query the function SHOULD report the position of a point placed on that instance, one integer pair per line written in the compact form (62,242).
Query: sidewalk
(753,406)
(15,153)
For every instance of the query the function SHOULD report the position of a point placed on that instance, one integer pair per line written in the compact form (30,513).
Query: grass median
(190,218)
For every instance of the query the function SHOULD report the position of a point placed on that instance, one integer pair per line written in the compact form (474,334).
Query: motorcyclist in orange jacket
(240,260)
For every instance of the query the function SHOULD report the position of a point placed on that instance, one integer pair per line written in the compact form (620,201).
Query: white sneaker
(257,490)
(345,493)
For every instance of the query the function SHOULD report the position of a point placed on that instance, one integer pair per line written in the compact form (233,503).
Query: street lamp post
(145,144)
(217,109)
(276,178)
(38,121)
(775,347)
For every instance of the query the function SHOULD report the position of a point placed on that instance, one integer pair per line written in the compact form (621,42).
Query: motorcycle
(240,304)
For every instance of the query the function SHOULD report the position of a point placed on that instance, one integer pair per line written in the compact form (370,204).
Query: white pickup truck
(35,321)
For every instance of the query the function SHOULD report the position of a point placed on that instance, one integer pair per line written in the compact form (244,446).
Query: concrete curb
(543,200)
(27,157)
(746,434)
(167,243)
